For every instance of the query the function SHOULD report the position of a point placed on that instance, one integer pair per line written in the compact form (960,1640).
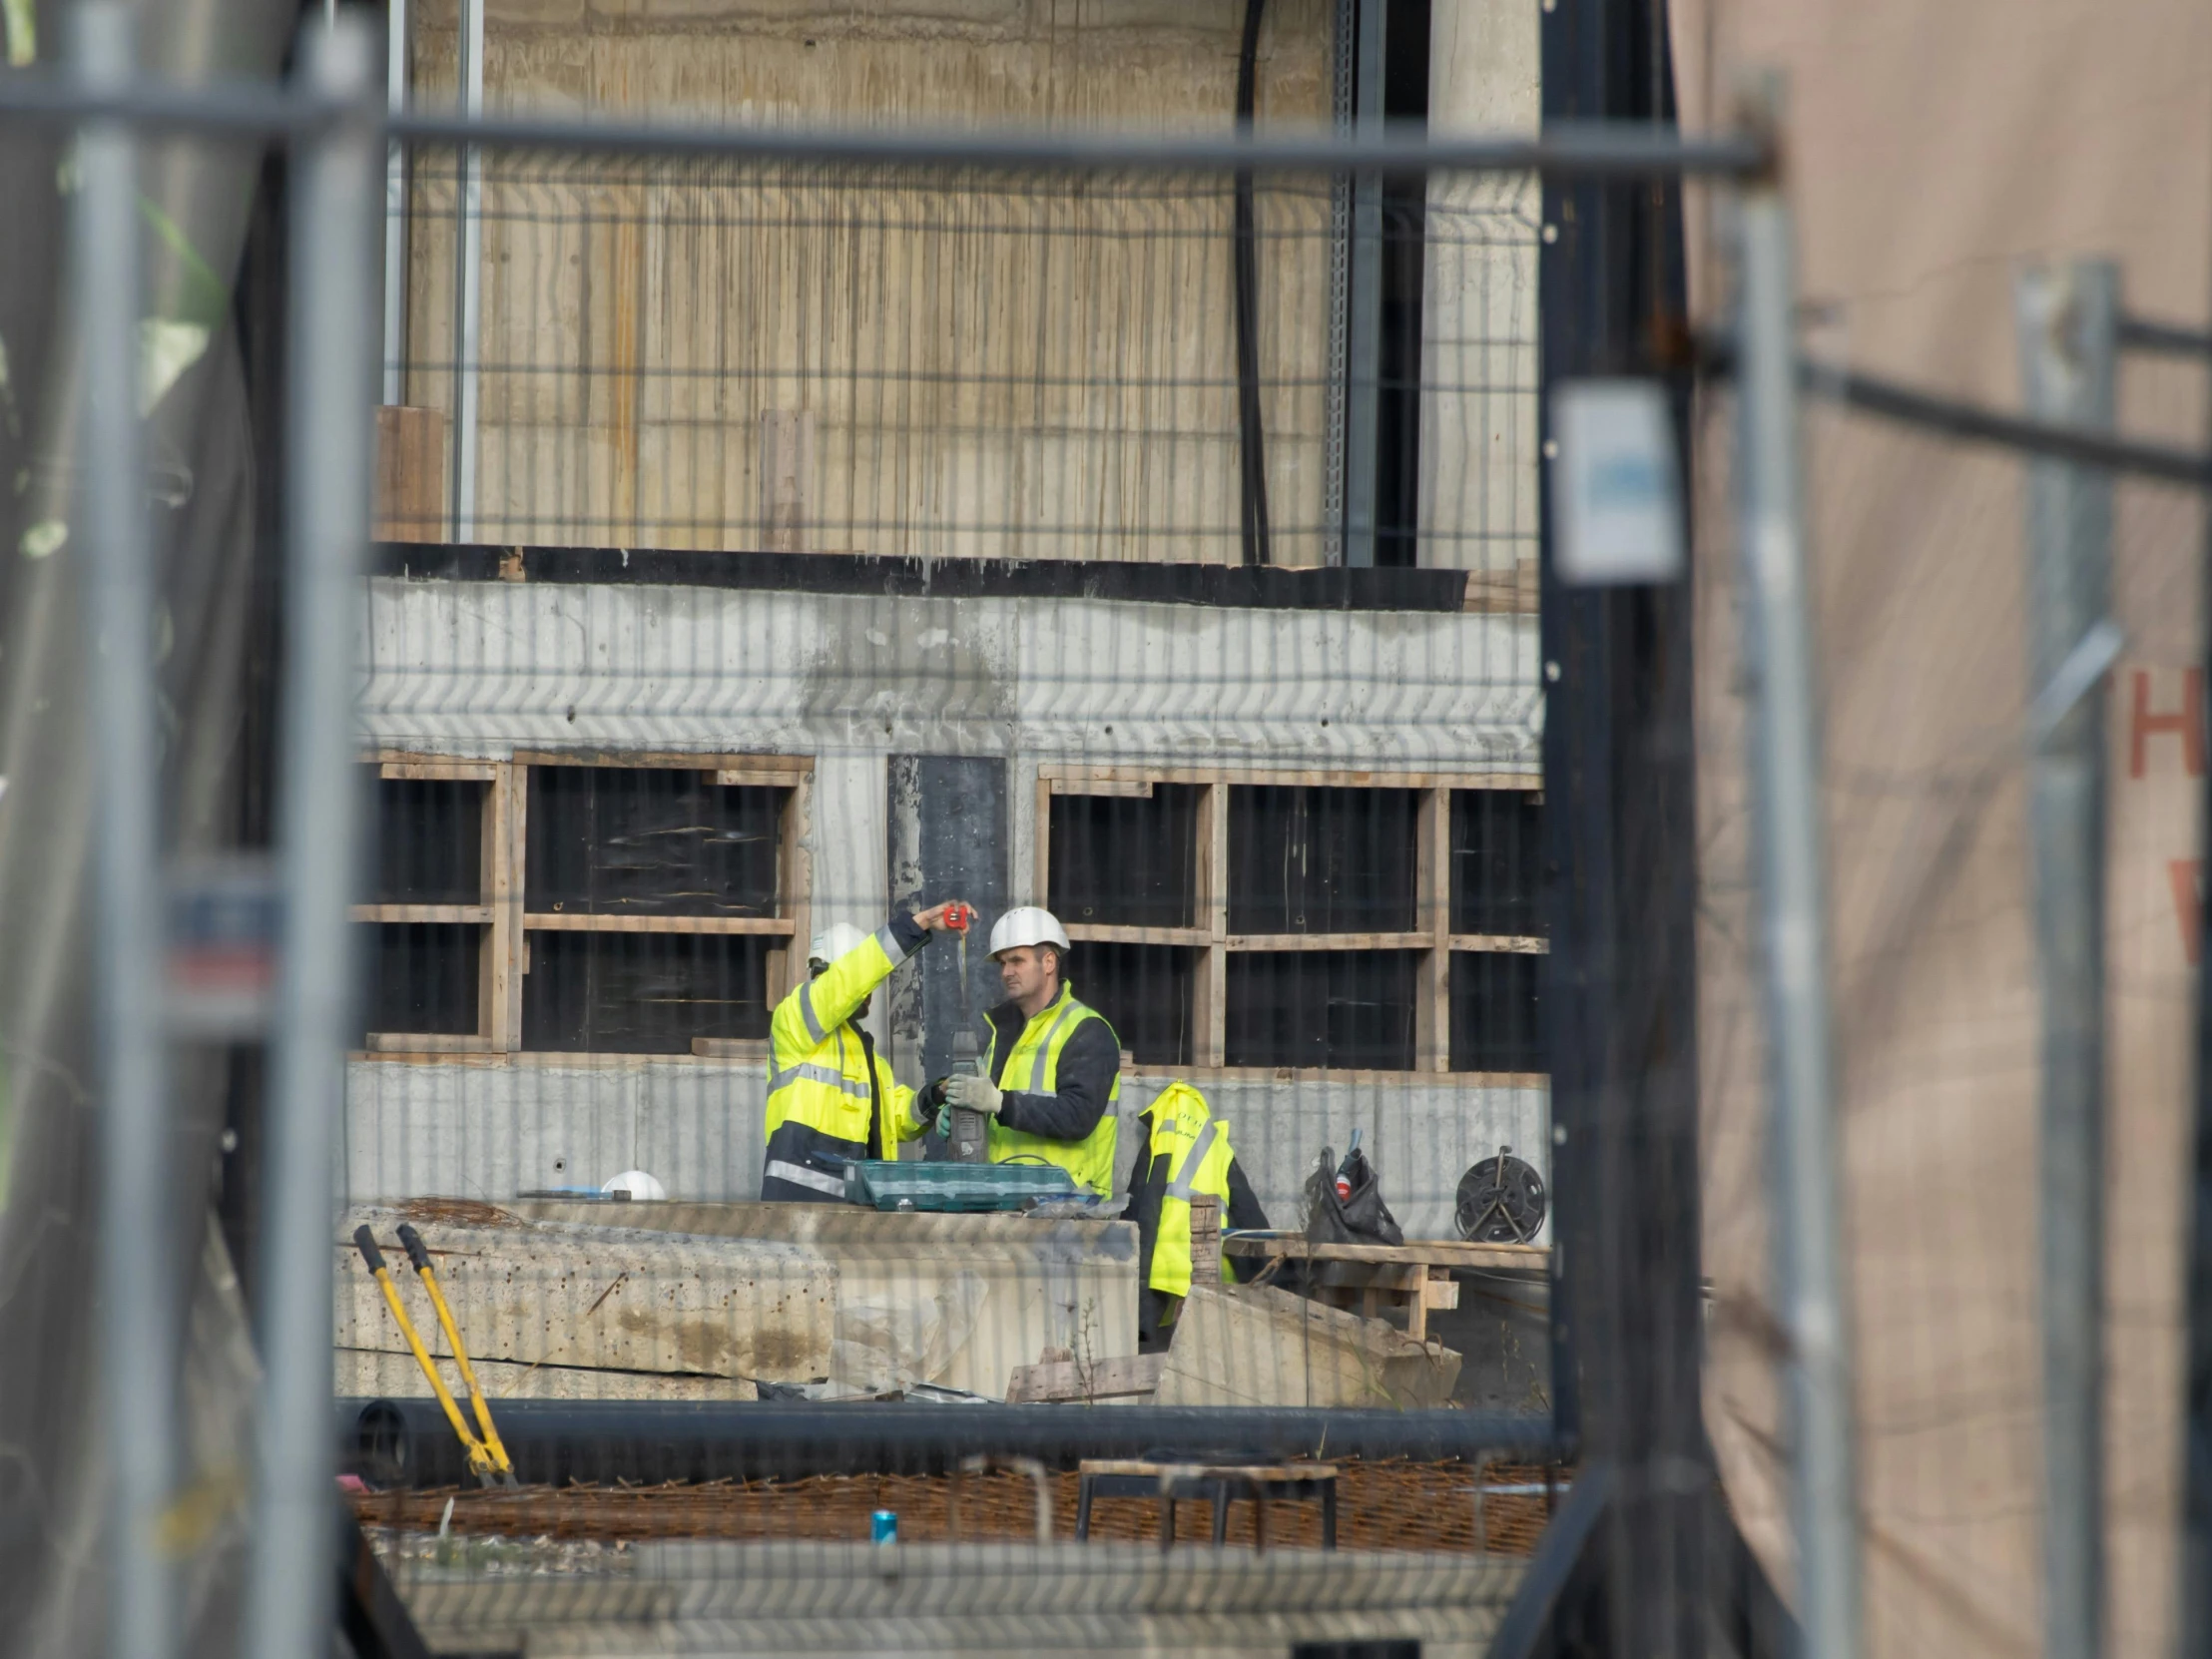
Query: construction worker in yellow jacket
(830,1096)
(1053,1064)
(1186,1154)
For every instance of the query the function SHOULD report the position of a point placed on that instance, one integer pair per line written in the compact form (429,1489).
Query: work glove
(929,1101)
(973,1094)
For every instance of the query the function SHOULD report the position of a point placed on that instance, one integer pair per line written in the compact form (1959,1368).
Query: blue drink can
(884,1527)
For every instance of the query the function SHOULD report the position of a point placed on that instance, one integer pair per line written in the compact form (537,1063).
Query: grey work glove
(974,1094)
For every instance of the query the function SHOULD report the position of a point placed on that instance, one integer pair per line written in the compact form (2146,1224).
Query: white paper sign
(1616,489)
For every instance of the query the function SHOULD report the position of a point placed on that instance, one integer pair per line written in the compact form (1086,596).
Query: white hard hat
(638,1184)
(1027,925)
(834,941)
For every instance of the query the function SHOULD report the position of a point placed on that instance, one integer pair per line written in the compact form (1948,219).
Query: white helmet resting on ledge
(1027,925)
(834,941)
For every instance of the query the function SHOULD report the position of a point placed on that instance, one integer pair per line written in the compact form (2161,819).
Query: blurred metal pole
(395,208)
(468,280)
(1363,358)
(2069,322)
(330,387)
(1793,917)
(138,1326)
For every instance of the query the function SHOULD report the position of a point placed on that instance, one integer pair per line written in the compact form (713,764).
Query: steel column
(1791,864)
(2069,318)
(330,393)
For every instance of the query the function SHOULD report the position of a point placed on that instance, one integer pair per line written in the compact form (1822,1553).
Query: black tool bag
(1360,1216)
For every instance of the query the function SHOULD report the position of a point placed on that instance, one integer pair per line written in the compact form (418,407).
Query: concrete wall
(1006,367)
(484,669)
(490,1131)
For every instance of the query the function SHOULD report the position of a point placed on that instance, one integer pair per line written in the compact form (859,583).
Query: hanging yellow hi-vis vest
(1196,1146)
(1032,1067)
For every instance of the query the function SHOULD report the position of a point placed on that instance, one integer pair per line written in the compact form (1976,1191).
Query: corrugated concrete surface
(1064,1598)
(491,1131)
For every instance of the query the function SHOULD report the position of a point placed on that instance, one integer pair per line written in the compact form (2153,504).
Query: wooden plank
(1205,1239)
(771,778)
(728,1048)
(459,916)
(562,921)
(1118,1377)
(1210,987)
(508,878)
(438,771)
(497,960)
(1135,788)
(1260,1473)
(788,767)
(1442,1253)
(410,474)
(424,1043)
(794,883)
(1079,932)
(1322,1074)
(1433,983)
(1518,943)
(1329,942)
(1093,780)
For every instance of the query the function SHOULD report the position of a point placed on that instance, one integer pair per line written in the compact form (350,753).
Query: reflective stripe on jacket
(1047,1090)
(824,1079)
(1195,1145)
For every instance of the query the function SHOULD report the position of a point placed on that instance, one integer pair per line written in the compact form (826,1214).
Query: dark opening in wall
(1494,1014)
(421,978)
(643,994)
(1405,266)
(1497,862)
(1125,860)
(1322,860)
(646,841)
(1143,991)
(430,843)
(1339,1008)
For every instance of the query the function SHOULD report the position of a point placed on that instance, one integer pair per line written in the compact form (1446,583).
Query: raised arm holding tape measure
(830,1098)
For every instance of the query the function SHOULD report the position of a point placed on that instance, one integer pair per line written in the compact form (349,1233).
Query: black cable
(1251,441)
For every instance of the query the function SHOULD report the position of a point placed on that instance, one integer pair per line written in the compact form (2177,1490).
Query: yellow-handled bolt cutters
(487,1458)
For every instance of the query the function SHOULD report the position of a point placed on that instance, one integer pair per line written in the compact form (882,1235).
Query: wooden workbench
(1415,1276)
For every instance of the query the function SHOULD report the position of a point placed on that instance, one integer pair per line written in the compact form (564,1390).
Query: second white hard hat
(1027,925)
(834,941)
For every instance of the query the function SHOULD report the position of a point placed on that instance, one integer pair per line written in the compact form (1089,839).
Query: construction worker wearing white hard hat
(1052,1067)
(829,1097)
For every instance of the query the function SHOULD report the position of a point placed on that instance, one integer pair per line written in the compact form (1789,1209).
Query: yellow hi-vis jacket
(1059,1077)
(830,1096)
(1194,1144)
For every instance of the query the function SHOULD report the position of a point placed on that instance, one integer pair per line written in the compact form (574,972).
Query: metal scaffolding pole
(2069,324)
(1793,927)
(330,390)
(395,208)
(1364,356)
(469,278)
(138,1324)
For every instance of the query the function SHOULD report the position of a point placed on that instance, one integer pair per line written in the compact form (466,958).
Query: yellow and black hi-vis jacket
(1059,1077)
(830,1096)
